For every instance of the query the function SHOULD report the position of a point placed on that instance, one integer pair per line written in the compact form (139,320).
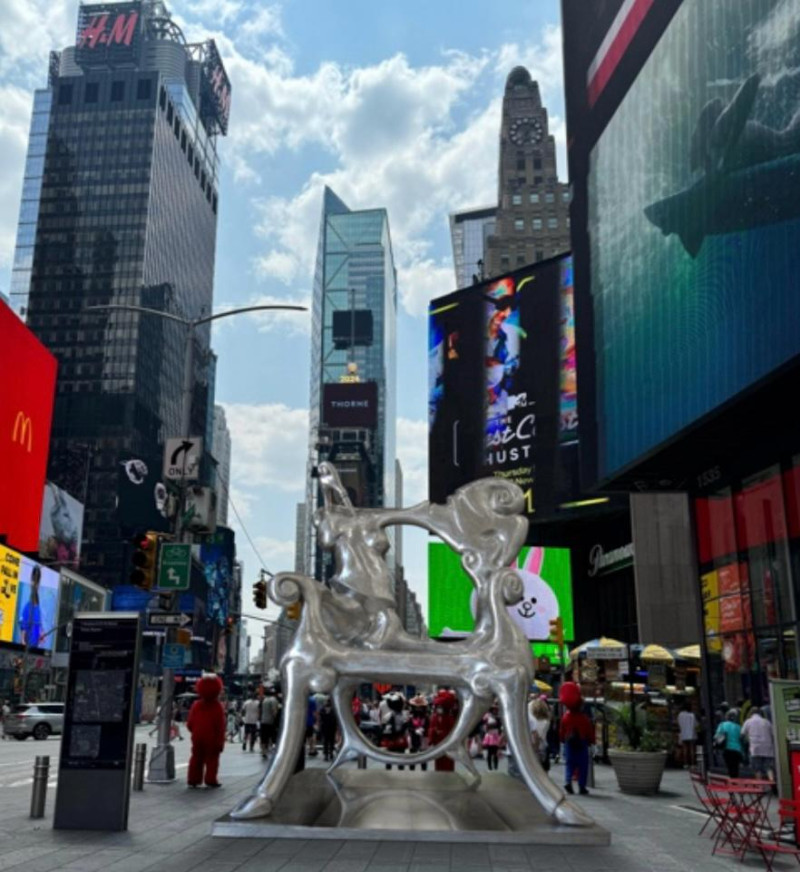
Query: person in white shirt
(687,726)
(250,712)
(757,730)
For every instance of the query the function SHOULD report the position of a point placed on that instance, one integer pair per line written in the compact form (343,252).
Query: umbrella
(656,654)
(602,648)
(542,686)
(688,652)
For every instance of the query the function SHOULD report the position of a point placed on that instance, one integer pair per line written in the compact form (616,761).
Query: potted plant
(639,761)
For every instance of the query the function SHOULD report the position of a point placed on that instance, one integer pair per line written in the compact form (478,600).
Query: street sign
(173,656)
(168,619)
(182,458)
(174,566)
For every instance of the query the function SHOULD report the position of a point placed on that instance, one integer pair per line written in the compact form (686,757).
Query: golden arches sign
(23,430)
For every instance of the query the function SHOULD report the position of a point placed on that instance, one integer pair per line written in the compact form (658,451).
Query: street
(169,830)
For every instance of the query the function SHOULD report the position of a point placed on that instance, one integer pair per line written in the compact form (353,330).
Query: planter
(638,772)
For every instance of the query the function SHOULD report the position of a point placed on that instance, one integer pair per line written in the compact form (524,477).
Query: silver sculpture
(350,633)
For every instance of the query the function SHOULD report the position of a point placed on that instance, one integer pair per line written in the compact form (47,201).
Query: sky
(391,105)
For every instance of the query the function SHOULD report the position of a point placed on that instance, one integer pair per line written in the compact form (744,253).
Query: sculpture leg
(512,694)
(292,736)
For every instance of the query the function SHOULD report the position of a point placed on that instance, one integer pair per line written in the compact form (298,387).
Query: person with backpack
(728,739)
(269,707)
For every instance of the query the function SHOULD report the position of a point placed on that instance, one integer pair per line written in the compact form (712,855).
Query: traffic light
(260,594)
(557,631)
(144,560)
(228,625)
(294,611)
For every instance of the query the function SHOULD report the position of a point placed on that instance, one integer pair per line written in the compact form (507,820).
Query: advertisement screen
(215,92)
(217,554)
(502,383)
(694,224)
(26,411)
(548,593)
(350,405)
(61,528)
(108,34)
(37,606)
(77,594)
(141,495)
(10,564)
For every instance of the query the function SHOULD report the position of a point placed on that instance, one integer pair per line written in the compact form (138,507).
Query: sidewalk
(169,826)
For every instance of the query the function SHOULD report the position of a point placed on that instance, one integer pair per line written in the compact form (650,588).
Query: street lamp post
(162,760)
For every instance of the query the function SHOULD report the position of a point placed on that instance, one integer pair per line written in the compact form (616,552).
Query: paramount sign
(601,562)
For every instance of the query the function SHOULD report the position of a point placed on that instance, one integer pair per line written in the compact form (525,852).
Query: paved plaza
(169,830)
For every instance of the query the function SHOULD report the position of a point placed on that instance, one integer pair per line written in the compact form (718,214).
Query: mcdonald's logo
(23,429)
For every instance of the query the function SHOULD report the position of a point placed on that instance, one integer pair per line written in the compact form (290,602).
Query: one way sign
(182,458)
(168,619)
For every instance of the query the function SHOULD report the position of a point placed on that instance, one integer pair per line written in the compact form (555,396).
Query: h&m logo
(23,431)
(96,33)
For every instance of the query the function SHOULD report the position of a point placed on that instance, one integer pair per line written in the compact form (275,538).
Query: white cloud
(287,322)
(412,452)
(421,281)
(15,119)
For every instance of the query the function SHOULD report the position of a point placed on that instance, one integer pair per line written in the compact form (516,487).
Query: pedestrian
(492,736)
(445,711)
(250,720)
(268,720)
(539,721)
(5,711)
(233,725)
(206,723)
(757,732)
(577,734)
(728,739)
(311,725)
(394,725)
(328,726)
(418,727)
(687,728)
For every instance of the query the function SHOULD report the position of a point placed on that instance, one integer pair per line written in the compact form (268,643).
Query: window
(549,197)
(183,140)
(539,255)
(520,259)
(569,223)
(91,92)
(537,223)
(534,198)
(519,224)
(552,223)
(565,196)
(143,89)
(190,153)
(504,262)
(117,92)
(162,99)
(521,162)
(170,113)
(537,163)
(176,127)
(537,180)
(516,199)
(65,95)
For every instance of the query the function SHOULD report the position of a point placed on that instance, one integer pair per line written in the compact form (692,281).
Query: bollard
(41,772)
(139,758)
(590,779)
(362,761)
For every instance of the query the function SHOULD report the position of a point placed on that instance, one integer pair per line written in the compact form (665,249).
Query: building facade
(353,360)
(469,231)
(119,207)
(221,452)
(532,221)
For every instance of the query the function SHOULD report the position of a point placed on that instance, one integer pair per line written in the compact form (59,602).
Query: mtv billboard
(26,412)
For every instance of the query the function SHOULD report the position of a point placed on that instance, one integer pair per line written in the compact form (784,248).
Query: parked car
(39,719)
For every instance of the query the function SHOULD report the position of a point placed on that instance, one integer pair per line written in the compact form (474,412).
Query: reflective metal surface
(350,633)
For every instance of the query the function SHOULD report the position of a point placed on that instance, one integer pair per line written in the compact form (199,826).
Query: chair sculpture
(350,633)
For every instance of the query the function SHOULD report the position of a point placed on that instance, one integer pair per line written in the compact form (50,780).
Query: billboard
(548,593)
(217,554)
(141,495)
(61,527)
(352,404)
(502,384)
(28,601)
(77,594)
(215,90)
(686,234)
(26,411)
(109,34)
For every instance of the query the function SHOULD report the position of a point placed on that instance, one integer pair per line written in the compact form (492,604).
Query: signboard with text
(174,566)
(108,34)
(350,405)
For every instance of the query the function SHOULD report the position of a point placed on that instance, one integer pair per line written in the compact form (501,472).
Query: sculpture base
(424,806)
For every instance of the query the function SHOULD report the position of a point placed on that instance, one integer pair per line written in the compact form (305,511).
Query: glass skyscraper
(119,206)
(469,231)
(354,273)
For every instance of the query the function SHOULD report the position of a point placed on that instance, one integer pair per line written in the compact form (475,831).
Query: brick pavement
(169,832)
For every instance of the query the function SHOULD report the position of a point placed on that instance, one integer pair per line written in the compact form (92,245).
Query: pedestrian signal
(294,611)
(260,594)
(228,626)
(557,631)
(144,559)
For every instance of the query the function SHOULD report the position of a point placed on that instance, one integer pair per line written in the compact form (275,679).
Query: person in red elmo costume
(206,723)
(577,734)
(445,706)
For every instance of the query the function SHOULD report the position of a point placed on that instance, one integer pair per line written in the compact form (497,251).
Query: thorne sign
(602,563)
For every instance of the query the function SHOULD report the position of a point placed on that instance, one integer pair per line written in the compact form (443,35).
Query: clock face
(524,131)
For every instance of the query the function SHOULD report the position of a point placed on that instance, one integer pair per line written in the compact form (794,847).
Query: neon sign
(97,32)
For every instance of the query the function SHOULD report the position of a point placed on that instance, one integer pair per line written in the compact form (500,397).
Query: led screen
(28,601)
(548,593)
(693,208)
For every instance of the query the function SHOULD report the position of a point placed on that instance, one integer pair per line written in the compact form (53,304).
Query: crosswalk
(27,782)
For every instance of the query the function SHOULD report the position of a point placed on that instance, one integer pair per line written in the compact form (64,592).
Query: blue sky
(392,105)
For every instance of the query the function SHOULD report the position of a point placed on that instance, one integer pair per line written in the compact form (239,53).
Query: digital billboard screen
(350,404)
(503,383)
(26,412)
(693,219)
(61,527)
(28,601)
(108,34)
(548,593)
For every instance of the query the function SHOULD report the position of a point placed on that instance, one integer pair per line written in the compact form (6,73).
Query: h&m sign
(108,33)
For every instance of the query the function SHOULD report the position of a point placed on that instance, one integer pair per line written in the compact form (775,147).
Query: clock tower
(533,206)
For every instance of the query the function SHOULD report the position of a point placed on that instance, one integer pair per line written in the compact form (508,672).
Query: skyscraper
(469,231)
(533,206)
(353,358)
(119,206)
(221,451)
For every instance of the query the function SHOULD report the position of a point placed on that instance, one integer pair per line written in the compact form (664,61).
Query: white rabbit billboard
(545,573)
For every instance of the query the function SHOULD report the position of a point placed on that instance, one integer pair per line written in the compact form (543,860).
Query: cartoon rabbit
(539,604)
